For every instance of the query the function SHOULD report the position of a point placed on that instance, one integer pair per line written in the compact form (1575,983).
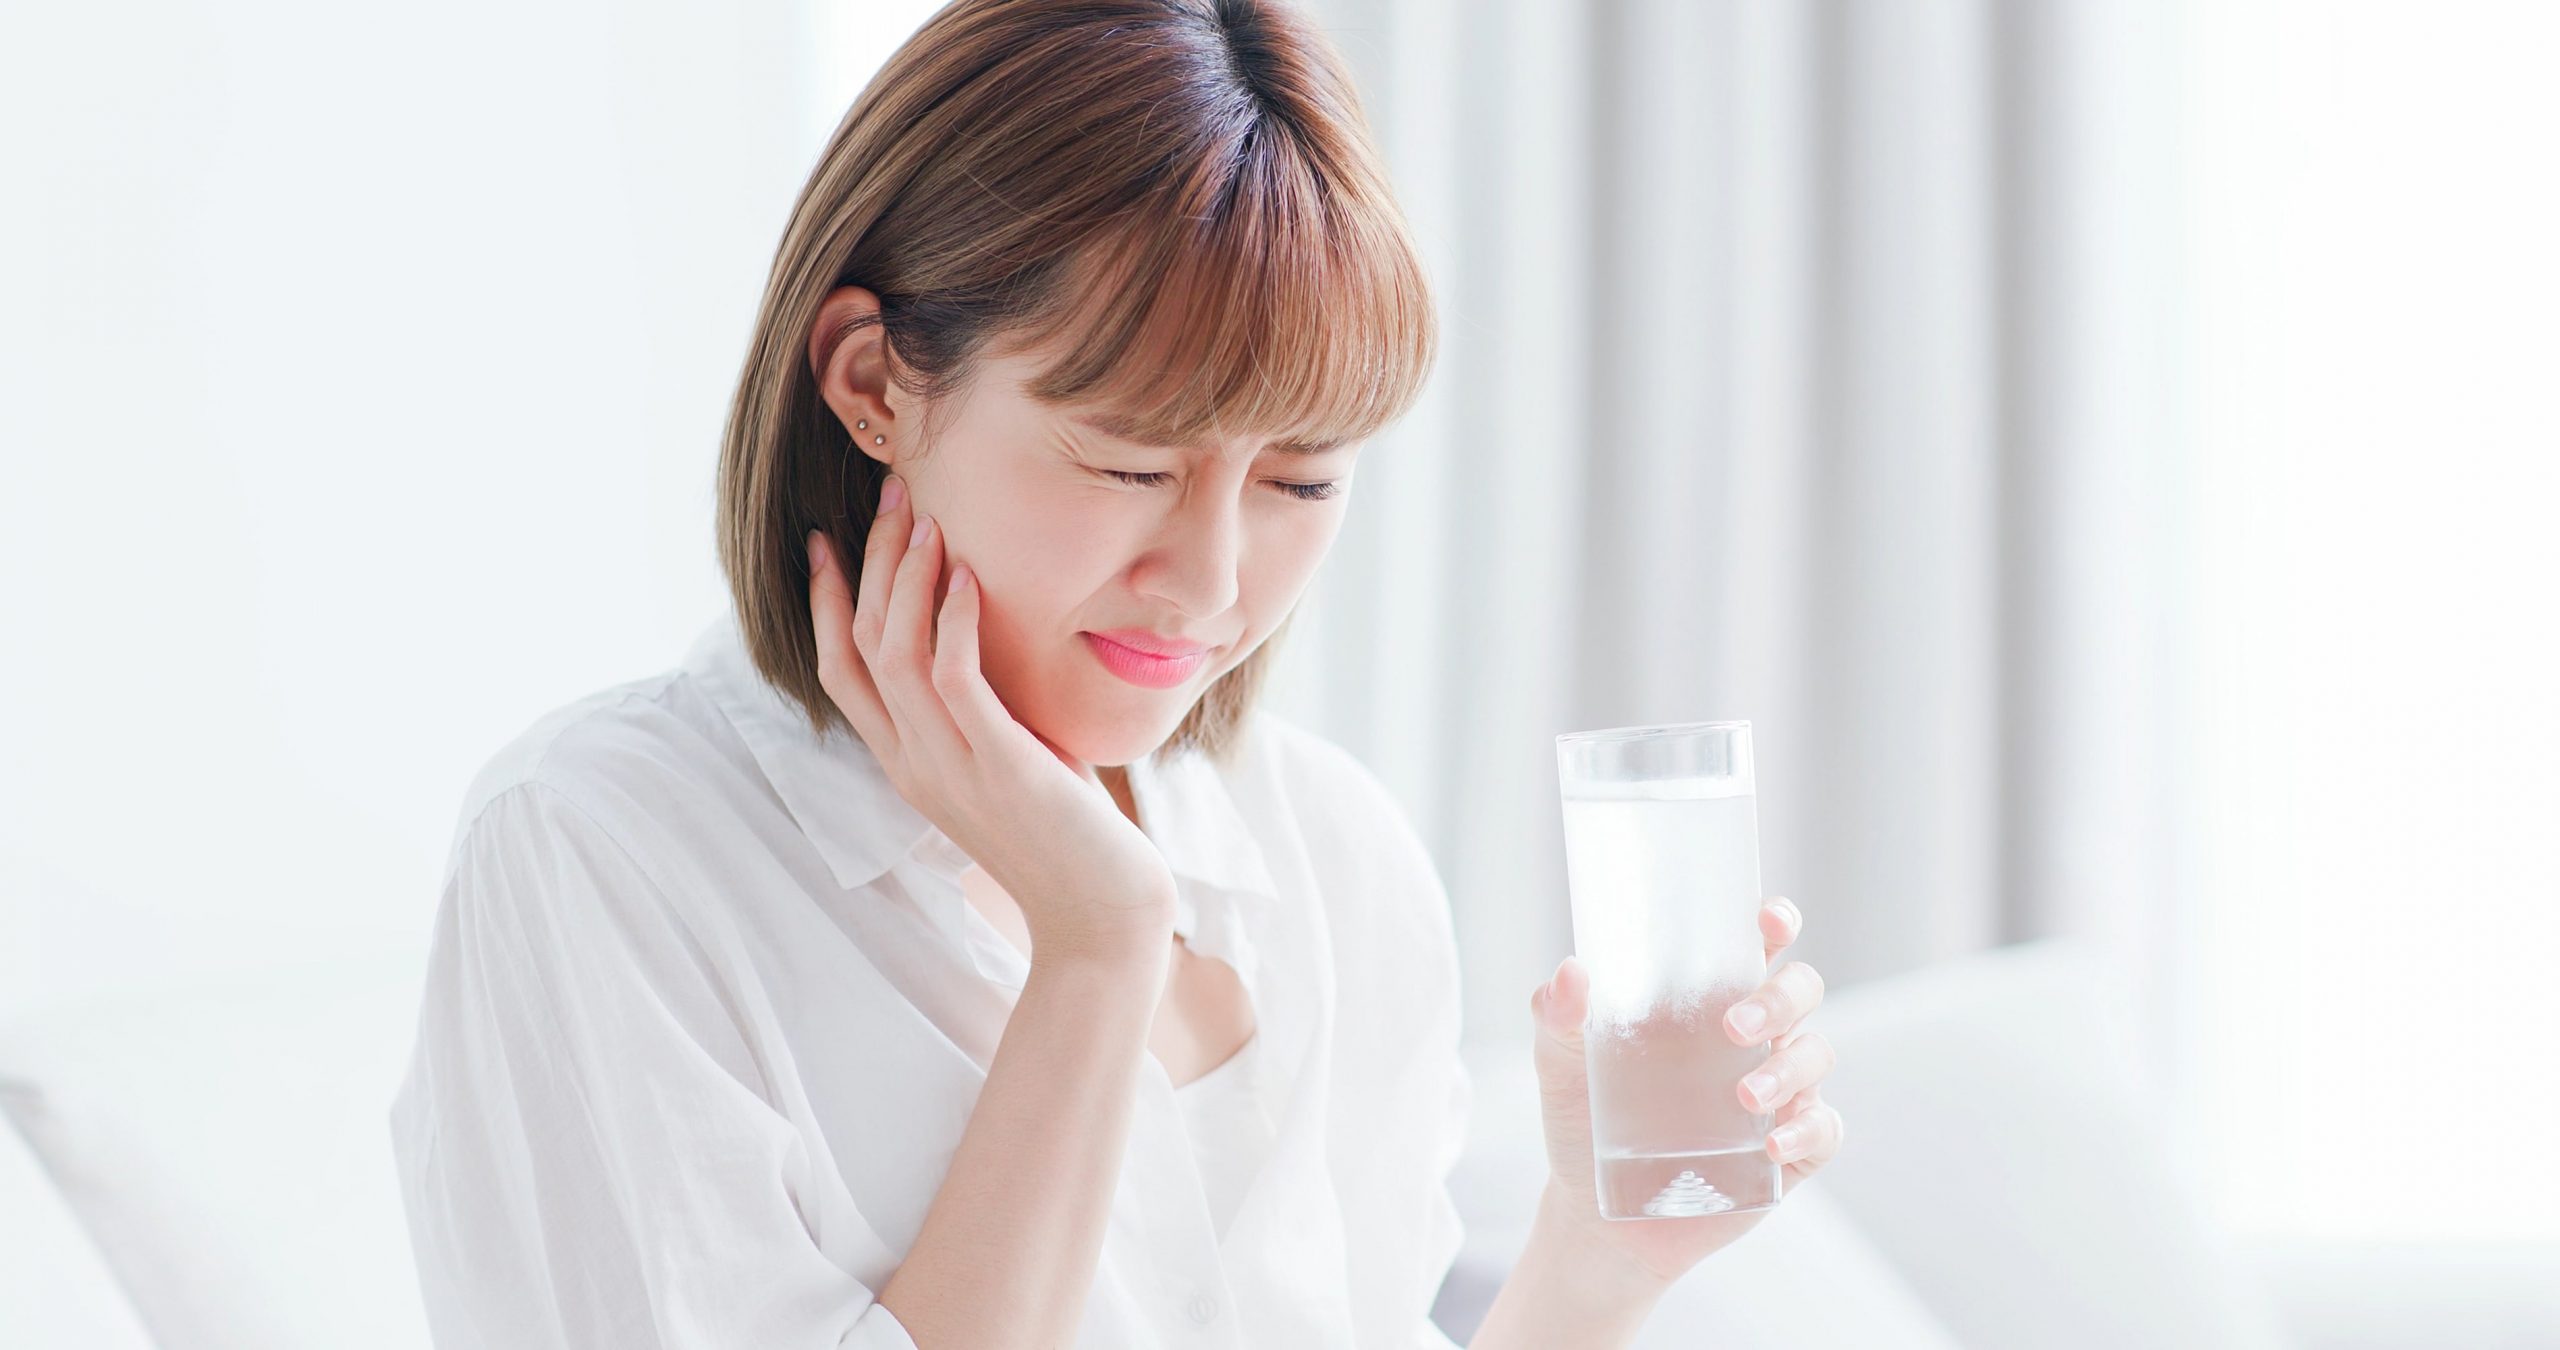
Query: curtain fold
(1786,378)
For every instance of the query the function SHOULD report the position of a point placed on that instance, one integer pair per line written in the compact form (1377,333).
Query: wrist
(1579,1242)
(1134,948)
(1571,1289)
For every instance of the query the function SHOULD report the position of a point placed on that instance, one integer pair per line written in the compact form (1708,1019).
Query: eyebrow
(1121,428)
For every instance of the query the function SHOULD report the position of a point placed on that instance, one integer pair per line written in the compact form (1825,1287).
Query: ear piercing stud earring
(862,423)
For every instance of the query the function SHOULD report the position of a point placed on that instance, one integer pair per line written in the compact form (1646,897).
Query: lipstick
(1145,669)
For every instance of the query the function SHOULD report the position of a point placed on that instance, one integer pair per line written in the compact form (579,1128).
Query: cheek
(1032,527)
(1037,561)
(1044,552)
(1282,571)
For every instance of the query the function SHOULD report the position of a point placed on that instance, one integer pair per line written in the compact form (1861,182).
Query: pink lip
(1141,641)
(1145,669)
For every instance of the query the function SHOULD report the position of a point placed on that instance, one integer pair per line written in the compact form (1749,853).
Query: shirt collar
(841,798)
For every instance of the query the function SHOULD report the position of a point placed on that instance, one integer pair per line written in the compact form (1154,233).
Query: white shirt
(1225,1113)
(706,1011)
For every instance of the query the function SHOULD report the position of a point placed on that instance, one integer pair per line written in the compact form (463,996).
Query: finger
(1788,997)
(840,668)
(1812,1137)
(903,669)
(980,715)
(1564,1089)
(1808,1100)
(1558,1007)
(1789,1070)
(881,550)
(1803,1103)
(1780,924)
(913,593)
(1562,1003)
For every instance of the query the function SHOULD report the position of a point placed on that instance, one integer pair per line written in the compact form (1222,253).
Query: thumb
(1559,1006)
(1563,1089)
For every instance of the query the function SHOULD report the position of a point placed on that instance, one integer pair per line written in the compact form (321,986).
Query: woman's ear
(851,367)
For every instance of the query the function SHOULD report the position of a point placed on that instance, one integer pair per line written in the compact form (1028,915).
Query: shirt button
(1204,1307)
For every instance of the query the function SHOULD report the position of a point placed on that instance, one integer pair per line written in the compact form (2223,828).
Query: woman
(948,953)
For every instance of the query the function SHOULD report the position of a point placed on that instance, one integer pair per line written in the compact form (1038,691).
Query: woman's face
(1207,546)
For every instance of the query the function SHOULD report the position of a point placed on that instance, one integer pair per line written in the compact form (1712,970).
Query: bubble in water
(1687,1196)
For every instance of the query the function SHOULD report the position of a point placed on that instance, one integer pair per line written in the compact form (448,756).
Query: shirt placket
(1199,1287)
(1175,1236)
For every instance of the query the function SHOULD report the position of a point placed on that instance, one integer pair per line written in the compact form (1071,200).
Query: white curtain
(1783,380)
(1795,371)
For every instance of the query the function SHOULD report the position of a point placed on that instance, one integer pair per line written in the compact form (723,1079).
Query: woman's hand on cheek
(898,655)
(1807,1132)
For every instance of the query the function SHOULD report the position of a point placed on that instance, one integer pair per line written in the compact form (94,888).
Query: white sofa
(208,1167)
(1999,1187)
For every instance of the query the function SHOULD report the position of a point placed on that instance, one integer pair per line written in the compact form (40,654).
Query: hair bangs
(1268,303)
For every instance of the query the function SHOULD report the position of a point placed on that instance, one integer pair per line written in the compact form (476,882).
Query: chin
(1107,740)
(1093,716)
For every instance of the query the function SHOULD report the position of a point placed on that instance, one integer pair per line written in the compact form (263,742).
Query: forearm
(1007,1253)
(1564,1294)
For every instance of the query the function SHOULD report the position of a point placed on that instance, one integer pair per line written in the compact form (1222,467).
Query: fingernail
(1795,916)
(1760,1085)
(893,494)
(1788,1138)
(1747,1018)
(923,523)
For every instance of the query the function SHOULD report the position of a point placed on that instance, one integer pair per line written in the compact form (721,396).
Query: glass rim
(1649,729)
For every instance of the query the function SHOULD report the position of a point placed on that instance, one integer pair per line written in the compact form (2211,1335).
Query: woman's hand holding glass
(1807,1131)
(1087,879)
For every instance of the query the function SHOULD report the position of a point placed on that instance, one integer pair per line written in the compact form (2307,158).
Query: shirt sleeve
(586,1159)
(1443,1230)
(1415,1096)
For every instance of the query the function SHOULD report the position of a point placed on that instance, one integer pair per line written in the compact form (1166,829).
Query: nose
(1193,564)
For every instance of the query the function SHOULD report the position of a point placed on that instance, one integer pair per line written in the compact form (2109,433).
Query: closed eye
(1313,492)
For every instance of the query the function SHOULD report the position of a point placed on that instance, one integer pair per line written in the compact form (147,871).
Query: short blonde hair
(1180,195)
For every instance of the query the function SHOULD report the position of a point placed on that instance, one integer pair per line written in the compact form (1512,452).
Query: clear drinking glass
(1662,852)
